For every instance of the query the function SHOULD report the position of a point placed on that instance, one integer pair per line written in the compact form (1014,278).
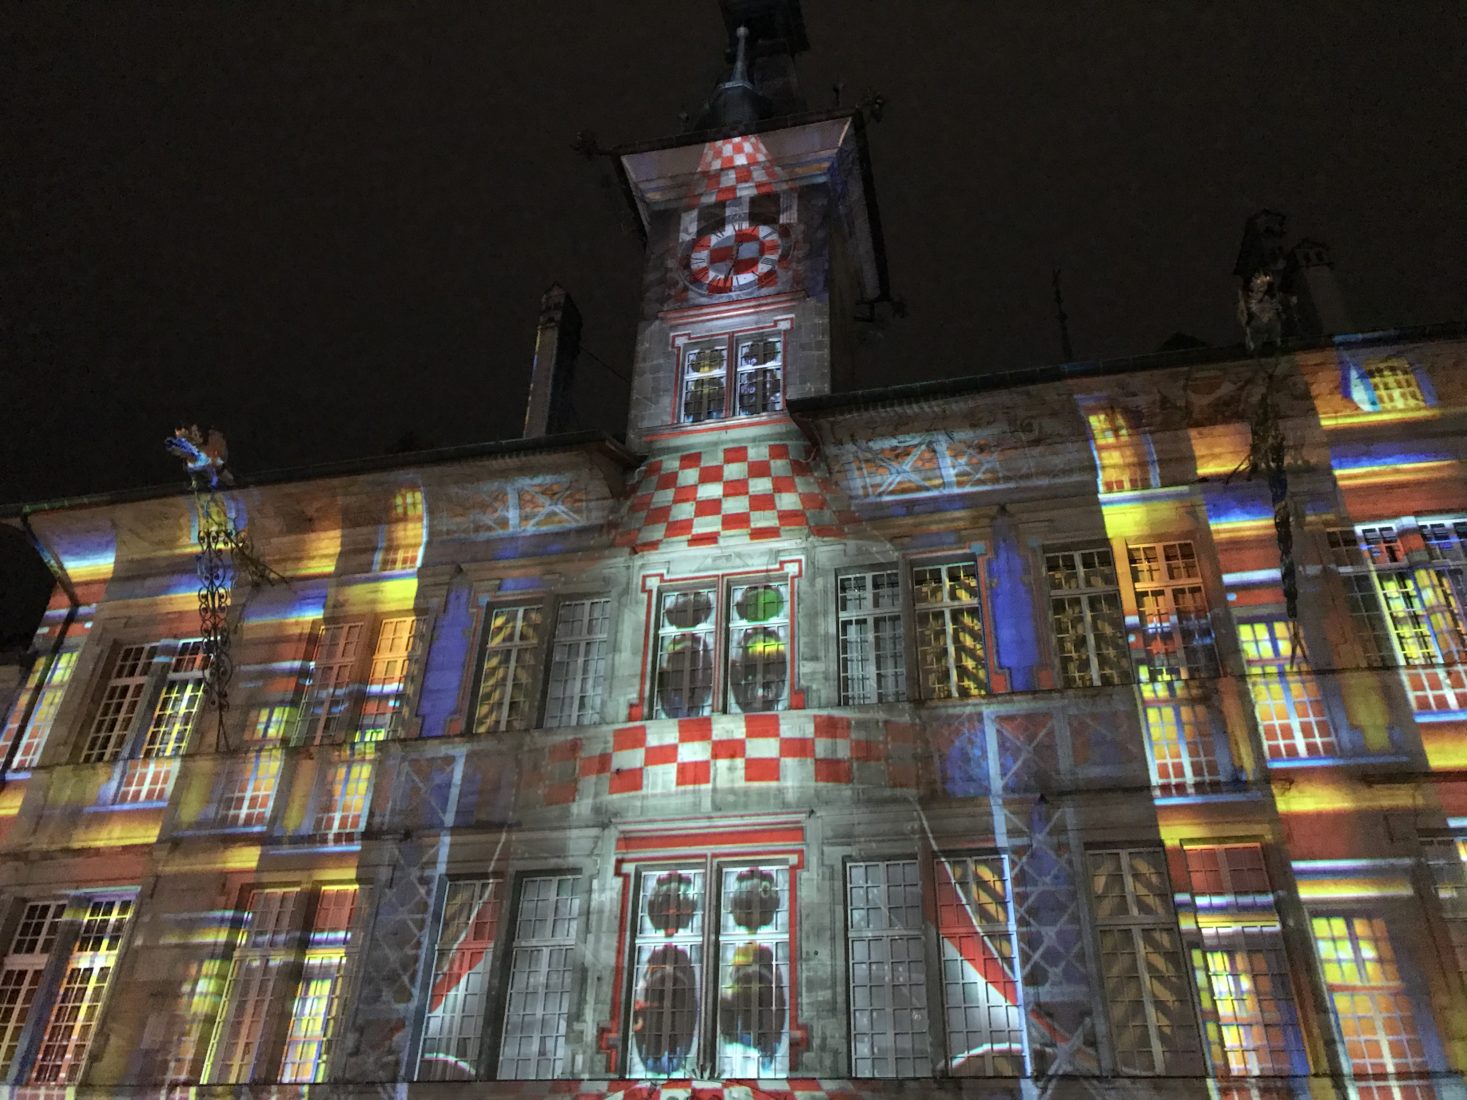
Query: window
(982,1010)
(982,997)
(578,663)
(1371,1005)
(343,810)
(1410,615)
(1181,735)
(869,624)
(751,650)
(88,933)
(250,780)
(711,971)
(329,688)
(1446,859)
(345,702)
(951,658)
(1176,641)
(537,1007)
(1089,622)
(149,777)
(57,675)
(1286,696)
(250,783)
(752,363)
(1153,1026)
(283,996)
(511,669)
(353,707)
(1241,965)
(889,1029)
(457,1008)
(122,700)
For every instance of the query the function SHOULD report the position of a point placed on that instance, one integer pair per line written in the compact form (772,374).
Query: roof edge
(506,448)
(1098,368)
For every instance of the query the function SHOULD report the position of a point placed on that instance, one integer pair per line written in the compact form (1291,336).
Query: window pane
(667,973)
(117,713)
(949,621)
(541,969)
(754,972)
(511,651)
(705,382)
(35,938)
(888,976)
(758,647)
(869,626)
(1153,1023)
(453,1027)
(684,666)
(981,994)
(78,1006)
(330,690)
(578,664)
(43,715)
(760,360)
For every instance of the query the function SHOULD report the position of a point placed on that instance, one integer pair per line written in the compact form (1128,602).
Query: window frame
(511,943)
(871,638)
(47,682)
(714,960)
(53,969)
(684,344)
(1087,594)
(540,657)
(918,688)
(1165,1060)
(490,994)
(720,628)
(294,948)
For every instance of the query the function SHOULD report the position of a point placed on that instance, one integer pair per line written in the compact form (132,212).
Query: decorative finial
(741,61)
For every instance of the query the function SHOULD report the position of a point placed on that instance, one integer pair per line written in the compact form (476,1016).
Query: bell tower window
(732,376)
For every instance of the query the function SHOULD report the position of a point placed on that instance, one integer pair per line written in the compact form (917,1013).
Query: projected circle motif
(737,257)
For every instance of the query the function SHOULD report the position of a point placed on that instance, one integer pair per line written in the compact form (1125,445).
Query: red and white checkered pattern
(758,491)
(793,1088)
(789,748)
(735,168)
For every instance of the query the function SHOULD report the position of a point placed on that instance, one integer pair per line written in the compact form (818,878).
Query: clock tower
(762,241)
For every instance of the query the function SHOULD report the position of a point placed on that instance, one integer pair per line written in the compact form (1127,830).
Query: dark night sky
(321,226)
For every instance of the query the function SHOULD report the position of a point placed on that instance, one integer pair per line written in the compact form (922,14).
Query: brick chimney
(557,343)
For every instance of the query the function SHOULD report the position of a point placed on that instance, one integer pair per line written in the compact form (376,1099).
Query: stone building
(1096,730)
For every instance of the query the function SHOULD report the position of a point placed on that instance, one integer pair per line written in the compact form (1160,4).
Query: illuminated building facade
(955,738)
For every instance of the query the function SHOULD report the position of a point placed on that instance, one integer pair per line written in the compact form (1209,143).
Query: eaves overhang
(947,388)
(609,454)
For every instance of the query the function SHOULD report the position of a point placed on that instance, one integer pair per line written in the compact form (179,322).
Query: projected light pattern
(892,745)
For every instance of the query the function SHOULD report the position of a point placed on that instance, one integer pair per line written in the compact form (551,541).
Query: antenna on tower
(1063,319)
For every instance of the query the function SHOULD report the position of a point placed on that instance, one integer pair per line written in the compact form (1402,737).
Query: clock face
(736,257)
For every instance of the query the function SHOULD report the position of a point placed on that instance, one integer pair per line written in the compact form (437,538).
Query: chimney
(557,343)
(1319,310)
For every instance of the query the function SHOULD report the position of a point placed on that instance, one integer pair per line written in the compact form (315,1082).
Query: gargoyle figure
(203,458)
(1261,311)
